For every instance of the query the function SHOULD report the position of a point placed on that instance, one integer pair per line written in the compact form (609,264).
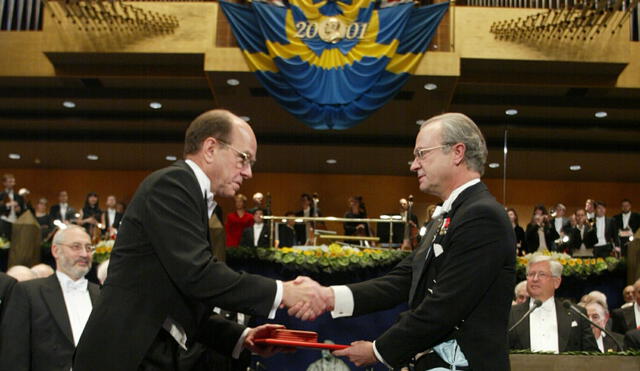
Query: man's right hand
(307,299)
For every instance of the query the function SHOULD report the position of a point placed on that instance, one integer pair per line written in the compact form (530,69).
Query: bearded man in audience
(550,327)
(45,317)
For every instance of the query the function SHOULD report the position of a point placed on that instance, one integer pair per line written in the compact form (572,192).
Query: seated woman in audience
(237,221)
(357,210)
(517,229)
(91,214)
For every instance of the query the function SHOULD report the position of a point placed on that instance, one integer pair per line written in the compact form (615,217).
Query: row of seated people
(586,232)
(541,322)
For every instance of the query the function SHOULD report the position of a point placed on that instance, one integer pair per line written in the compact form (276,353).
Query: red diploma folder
(297,339)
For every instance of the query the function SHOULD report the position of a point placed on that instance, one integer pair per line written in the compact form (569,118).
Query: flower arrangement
(577,267)
(103,251)
(328,259)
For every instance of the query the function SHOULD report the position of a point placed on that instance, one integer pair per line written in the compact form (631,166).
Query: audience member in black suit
(459,282)
(62,211)
(521,245)
(12,205)
(307,211)
(111,217)
(598,313)
(559,221)
(287,233)
(632,340)
(91,214)
(163,281)
(45,317)
(626,224)
(536,230)
(602,233)
(579,244)
(357,210)
(259,228)
(544,276)
(6,285)
(624,319)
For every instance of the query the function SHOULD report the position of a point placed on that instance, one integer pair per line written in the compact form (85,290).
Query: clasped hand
(307,299)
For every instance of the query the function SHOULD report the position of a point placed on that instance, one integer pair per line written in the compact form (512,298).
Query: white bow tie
(76,286)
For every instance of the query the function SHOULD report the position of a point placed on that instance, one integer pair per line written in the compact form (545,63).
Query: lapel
(564,325)
(52,295)
(424,256)
(204,208)
(419,260)
(630,318)
(94,292)
(524,329)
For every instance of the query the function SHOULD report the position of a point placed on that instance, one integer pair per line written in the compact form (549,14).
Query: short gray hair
(459,128)
(554,265)
(59,237)
(522,285)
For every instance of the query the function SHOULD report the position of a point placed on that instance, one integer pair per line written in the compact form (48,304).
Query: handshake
(307,299)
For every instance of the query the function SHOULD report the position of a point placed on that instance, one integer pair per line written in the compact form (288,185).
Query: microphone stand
(567,304)
(536,304)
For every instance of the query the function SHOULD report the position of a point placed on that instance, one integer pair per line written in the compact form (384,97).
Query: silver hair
(554,265)
(459,128)
(59,237)
(520,286)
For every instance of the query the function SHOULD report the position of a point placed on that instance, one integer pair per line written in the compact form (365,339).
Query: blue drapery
(333,85)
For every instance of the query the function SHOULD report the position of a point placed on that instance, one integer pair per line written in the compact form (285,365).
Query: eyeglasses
(77,247)
(541,275)
(245,158)
(420,153)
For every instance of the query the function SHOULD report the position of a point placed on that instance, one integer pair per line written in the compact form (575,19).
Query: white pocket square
(437,249)
(574,324)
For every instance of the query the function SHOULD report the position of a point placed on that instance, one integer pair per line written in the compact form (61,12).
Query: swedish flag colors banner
(332,63)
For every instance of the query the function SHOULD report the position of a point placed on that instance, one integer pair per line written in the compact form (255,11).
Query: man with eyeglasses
(45,317)
(155,308)
(550,327)
(459,281)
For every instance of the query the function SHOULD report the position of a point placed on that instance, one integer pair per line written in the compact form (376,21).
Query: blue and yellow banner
(332,63)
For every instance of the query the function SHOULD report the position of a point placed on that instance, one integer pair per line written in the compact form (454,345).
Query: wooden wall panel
(381,193)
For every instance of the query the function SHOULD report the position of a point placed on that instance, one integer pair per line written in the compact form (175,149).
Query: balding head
(21,273)
(42,270)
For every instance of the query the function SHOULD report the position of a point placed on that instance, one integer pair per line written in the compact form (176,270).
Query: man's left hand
(260,332)
(360,352)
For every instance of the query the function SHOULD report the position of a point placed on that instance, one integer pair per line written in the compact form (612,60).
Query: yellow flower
(579,261)
(563,261)
(587,261)
(600,260)
(572,262)
(593,261)
(308,253)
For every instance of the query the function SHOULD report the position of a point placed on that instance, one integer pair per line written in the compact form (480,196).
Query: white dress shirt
(558,224)
(344,303)
(600,225)
(257,230)
(63,211)
(600,341)
(543,327)
(78,303)
(112,216)
(625,220)
(636,311)
(174,328)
